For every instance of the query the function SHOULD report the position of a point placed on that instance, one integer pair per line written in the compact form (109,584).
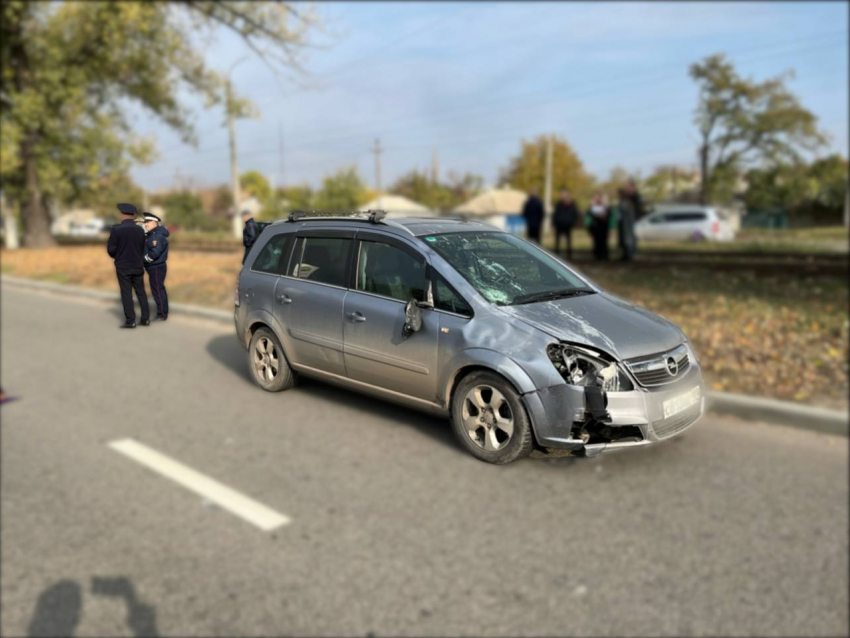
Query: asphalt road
(736,528)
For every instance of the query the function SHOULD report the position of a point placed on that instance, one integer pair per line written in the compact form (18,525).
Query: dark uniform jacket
(156,247)
(565,215)
(250,233)
(126,246)
(533,212)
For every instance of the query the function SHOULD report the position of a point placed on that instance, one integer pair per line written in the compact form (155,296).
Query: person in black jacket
(532,211)
(565,217)
(249,233)
(156,254)
(126,246)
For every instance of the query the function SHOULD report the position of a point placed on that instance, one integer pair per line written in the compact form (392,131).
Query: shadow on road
(226,350)
(58,610)
(60,607)
(141,618)
(437,428)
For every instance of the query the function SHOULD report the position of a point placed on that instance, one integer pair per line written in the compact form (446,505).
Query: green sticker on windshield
(430,239)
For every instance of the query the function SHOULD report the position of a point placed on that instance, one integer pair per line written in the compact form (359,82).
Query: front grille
(653,370)
(676,423)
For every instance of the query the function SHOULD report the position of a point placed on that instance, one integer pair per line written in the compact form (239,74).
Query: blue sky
(472,79)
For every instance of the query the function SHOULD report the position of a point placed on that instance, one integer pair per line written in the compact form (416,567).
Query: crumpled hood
(601,321)
(160,230)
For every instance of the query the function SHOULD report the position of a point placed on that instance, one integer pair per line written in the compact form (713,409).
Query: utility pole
(230,107)
(377,150)
(280,149)
(547,197)
(234,170)
(435,168)
(847,208)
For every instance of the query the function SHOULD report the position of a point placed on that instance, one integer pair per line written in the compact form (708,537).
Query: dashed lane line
(227,498)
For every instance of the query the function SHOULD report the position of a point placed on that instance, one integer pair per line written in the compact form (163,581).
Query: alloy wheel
(266,361)
(487,418)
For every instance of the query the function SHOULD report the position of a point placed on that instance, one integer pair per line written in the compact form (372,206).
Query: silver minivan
(465,321)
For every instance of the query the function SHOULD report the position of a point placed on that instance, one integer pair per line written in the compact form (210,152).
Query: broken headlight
(583,367)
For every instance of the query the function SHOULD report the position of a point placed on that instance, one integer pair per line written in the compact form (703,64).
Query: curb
(796,415)
(91,293)
(806,417)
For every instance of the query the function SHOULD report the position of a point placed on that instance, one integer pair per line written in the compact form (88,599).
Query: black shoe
(146,322)
(161,318)
(129,325)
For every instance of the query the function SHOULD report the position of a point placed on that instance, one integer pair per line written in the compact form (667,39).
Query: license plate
(681,402)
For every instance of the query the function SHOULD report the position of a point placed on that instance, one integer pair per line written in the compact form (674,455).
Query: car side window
(656,219)
(321,259)
(385,270)
(274,255)
(686,217)
(447,298)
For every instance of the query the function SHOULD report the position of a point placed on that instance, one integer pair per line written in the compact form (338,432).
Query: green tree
(742,121)
(296,197)
(418,186)
(255,183)
(69,69)
(809,192)
(223,201)
(341,191)
(184,209)
(528,169)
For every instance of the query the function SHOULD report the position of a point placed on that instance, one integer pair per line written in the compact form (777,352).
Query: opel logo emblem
(672,366)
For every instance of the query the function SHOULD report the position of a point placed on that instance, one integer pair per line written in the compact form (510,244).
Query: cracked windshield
(506,270)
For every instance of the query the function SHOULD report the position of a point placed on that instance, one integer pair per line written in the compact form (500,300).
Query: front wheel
(269,367)
(489,419)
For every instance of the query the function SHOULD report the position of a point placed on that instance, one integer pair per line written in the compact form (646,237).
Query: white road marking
(231,500)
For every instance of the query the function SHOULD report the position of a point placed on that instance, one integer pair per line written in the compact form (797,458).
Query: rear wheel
(489,419)
(268,364)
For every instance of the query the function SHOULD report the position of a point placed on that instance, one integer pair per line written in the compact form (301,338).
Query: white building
(501,207)
(398,206)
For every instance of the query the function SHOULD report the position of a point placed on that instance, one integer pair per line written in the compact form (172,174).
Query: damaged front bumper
(563,417)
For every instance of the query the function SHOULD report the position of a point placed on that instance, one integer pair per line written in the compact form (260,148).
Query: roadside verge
(744,406)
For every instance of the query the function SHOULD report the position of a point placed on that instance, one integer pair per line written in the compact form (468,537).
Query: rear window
(322,259)
(275,255)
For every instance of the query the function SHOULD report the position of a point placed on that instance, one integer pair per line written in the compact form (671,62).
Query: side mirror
(412,319)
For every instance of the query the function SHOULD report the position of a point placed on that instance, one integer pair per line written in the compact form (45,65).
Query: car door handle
(284,299)
(357,317)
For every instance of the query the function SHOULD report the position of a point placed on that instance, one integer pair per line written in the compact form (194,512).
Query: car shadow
(227,351)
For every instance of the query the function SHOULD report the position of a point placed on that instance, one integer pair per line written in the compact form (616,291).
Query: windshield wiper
(552,294)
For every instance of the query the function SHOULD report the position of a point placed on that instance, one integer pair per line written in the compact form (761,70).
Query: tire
(267,362)
(503,433)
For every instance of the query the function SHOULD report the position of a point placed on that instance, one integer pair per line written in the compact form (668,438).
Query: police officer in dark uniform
(249,233)
(156,253)
(126,246)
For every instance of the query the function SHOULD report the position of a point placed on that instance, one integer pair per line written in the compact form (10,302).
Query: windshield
(505,269)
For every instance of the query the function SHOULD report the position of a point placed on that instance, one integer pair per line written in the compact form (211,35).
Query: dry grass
(780,336)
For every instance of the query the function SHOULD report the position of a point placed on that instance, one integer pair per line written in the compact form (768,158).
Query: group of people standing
(599,219)
(137,245)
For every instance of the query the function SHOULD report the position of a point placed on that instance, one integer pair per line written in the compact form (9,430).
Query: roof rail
(373,216)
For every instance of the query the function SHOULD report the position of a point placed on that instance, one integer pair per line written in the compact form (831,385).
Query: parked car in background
(463,320)
(91,228)
(685,222)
